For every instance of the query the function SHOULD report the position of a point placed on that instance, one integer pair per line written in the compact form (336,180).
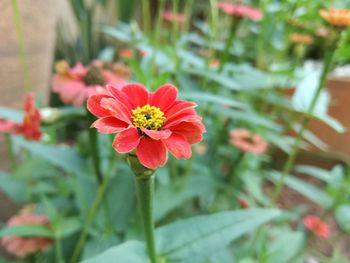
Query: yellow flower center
(148,117)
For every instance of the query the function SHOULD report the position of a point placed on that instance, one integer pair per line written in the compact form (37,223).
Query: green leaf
(130,252)
(14,189)
(342,214)
(27,231)
(96,246)
(64,157)
(285,246)
(11,114)
(120,196)
(208,97)
(67,226)
(312,192)
(196,239)
(321,174)
(215,76)
(171,197)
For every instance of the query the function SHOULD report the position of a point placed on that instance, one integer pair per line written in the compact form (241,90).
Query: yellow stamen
(149,117)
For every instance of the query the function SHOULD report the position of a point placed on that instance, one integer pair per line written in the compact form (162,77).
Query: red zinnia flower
(248,142)
(24,246)
(151,123)
(317,226)
(178,18)
(76,84)
(30,127)
(240,11)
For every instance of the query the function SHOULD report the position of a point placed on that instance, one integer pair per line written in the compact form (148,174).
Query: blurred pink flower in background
(30,126)
(316,226)
(126,53)
(24,246)
(248,142)
(74,85)
(240,11)
(172,17)
(214,63)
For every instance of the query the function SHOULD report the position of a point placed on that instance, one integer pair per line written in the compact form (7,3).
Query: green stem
(156,36)
(21,46)
(10,153)
(145,190)
(225,55)
(146,16)
(90,218)
(188,13)
(307,116)
(58,250)
(94,151)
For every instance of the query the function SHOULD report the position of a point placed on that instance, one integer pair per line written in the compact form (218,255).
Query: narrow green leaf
(195,239)
(312,192)
(14,189)
(342,214)
(130,252)
(208,97)
(321,174)
(285,246)
(64,157)
(27,231)
(11,114)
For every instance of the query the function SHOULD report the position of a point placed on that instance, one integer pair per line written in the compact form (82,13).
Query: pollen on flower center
(147,116)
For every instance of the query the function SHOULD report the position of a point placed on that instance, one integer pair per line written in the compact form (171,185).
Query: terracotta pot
(338,143)
(38,24)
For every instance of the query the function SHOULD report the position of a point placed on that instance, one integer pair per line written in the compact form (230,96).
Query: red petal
(7,126)
(187,116)
(193,131)
(157,135)
(94,105)
(151,153)
(180,107)
(178,146)
(164,97)
(127,140)
(137,94)
(109,125)
(117,109)
(119,95)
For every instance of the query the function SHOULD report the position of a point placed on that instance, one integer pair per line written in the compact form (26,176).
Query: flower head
(243,203)
(240,11)
(214,63)
(301,39)
(126,53)
(30,126)
(336,17)
(317,226)
(76,84)
(171,17)
(150,123)
(24,246)
(248,142)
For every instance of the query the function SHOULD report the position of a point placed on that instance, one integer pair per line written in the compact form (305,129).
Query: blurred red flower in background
(248,142)
(24,246)
(316,226)
(74,85)
(170,16)
(30,127)
(240,11)
(151,123)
